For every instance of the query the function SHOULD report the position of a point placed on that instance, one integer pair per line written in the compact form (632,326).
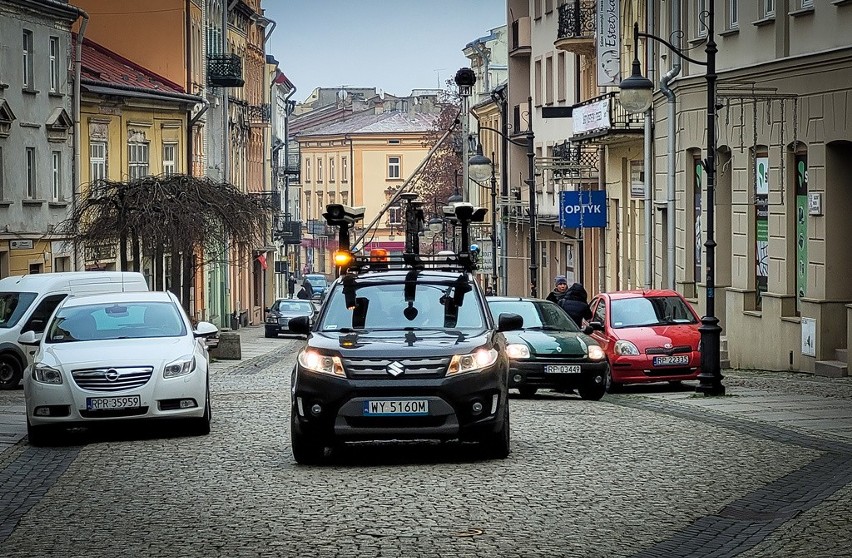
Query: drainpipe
(226,168)
(671,158)
(287,112)
(648,167)
(76,168)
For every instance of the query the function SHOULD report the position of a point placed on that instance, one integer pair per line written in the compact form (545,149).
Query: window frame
(768,8)
(733,21)
(99,162)
(56,175)
(27,61)
(701,29)
(344,169)
(394,167)
(32,176)
(331,169)
(135,163)
(53,57)
(170,164)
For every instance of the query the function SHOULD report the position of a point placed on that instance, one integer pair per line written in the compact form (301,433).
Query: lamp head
(479,167)
(637,91)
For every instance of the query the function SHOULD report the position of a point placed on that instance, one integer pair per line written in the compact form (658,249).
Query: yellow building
(359,161)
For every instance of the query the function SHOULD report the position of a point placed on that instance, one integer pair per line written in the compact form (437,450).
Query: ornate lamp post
(479,165)
(636,97)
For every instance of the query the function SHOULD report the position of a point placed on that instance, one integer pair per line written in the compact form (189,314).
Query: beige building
(359,161)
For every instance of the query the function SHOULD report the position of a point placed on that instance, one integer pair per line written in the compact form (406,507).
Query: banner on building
(761,210)
(802,212)
(609,43)
(582,209)
(591,117)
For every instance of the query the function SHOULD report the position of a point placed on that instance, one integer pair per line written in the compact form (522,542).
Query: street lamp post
(481,166)
(636,97)
(478,166)
(465,79)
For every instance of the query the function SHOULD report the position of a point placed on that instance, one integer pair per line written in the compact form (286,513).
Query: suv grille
(426,367)
(112,379)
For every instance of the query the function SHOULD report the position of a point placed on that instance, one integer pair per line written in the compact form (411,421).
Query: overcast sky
(393,45)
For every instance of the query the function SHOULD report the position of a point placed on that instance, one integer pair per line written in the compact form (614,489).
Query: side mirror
(30,338)
(596,326)
(509,322)
(205,329)
(588,330)
(300,325)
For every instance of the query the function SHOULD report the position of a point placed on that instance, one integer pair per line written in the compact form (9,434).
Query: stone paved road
(645,473)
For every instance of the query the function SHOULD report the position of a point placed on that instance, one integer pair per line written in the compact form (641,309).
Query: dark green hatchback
(550,352)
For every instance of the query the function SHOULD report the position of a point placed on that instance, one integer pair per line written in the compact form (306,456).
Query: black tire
(11,371)
(305,450)
(270,334)
(592,391)
(40,436)
(527,391)
(498,444)
(201,426)
(611,386)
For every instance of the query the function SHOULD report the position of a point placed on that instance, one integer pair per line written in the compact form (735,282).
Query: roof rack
(407,261)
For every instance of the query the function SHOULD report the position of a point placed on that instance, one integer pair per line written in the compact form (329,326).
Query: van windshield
(13,306)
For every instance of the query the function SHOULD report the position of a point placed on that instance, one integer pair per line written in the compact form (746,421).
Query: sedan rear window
(650,311)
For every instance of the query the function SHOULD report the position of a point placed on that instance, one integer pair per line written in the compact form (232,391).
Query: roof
(107,298)
(636,293)
(103,66)
(382,123)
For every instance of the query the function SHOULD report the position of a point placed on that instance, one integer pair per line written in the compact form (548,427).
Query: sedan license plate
(562,369)
(678,360)
(399,407)
(108,403)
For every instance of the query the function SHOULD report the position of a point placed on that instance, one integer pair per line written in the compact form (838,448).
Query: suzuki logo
(395,368)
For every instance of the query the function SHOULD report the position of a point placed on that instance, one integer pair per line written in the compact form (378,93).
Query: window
(537,77)
(331,170)
(733,17)
(307,170)
(137,159)
(807,3)
(768,8)
(701,17)
(28,60)
(344,198)
(394,215)
(344,169)
(307,205)
(548,83)
(319,170)
(393,167)
(97,161)
(54,64)
(31,173)
(169,158)
(561,77)
(56,163)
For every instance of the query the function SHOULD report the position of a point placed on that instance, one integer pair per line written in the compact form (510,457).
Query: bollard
(229,346)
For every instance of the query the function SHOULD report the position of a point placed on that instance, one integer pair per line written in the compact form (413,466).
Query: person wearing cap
(559,289)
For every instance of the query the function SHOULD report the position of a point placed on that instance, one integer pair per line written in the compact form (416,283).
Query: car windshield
(536,314)
(317,281)
(650,311)
(293,306)
(451,305)
(128,320)
(13,306)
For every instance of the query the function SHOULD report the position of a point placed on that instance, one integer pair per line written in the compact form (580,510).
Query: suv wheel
(527,391)
(10,371)
(592,391)
(201,426)
(270,333)
(497,445)
(305,450)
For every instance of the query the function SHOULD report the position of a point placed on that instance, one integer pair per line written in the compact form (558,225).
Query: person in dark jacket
(307,292)
(560,289)
(291,285)
(575,302)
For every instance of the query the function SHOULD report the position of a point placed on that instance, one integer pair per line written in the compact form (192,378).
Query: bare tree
(438,179)
(183,216)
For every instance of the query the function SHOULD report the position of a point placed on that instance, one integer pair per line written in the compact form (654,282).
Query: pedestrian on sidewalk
(291,284)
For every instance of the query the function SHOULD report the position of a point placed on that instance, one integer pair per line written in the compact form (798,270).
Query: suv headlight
(596,353)
(310,359)
(477,360)
(517,350)
(180,367)
(626,348)
(46,375)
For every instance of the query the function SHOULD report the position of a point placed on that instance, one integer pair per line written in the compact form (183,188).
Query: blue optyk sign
(582,209)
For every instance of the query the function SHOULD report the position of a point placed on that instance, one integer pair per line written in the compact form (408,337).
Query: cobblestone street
(650,472)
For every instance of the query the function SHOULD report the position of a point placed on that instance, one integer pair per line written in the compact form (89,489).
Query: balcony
(260,114)
(574,161)
(577,27)
(225,70)
(287,231)
(521,38)
(603,120)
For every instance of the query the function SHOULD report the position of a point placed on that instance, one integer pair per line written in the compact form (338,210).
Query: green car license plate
(562,369)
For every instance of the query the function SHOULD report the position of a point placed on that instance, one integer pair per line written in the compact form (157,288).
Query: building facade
(36,131)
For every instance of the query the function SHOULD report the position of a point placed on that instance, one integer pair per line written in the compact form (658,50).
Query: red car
(648,336)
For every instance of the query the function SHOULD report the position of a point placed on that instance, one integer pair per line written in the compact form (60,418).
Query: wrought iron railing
(225,70)
(620,121)
(260,114)
(576,154)
(577,20)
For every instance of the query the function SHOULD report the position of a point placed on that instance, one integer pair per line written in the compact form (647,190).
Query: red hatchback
(648,336)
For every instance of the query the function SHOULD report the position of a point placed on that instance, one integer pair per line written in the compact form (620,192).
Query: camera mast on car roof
(461,214)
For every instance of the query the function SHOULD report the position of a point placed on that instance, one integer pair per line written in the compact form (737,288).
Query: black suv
(402,353)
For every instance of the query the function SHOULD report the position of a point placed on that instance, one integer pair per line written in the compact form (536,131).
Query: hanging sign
(761,203)
(584,209)
(608,42)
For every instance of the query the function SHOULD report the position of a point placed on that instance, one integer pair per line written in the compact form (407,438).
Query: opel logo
(111,374)
(395,368)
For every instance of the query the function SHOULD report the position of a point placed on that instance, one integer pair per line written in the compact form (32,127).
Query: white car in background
(118,356)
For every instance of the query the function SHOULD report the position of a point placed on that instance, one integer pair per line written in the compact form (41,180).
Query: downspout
(288,216)
(226,169)
(76,167)
(648,165)
(671,158)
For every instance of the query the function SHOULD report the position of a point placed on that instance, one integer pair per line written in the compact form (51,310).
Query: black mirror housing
(509,322)
(300,325)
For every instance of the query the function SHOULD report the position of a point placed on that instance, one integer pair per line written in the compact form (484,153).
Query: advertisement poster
(801,227)
(697,217)
(761,207)
(609,43)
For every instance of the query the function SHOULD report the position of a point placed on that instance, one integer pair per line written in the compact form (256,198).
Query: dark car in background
(550,352)
(319,283)
(278,315)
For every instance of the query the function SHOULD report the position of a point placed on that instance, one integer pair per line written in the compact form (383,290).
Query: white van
(28,301)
